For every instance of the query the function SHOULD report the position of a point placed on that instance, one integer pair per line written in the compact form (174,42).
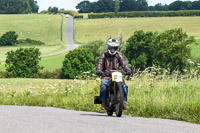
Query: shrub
(97,47)
(144,14)
(169,49)
(71,12)
(77,62)
(23,63)
(56,74)
(79,16)
(9,38)
(29,41)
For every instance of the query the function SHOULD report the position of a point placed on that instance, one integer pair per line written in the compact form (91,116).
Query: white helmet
(112,46)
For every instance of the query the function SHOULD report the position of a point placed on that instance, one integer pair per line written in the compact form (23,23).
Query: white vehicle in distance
(67,16)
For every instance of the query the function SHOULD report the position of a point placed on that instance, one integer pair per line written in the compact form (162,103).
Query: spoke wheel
(119,100)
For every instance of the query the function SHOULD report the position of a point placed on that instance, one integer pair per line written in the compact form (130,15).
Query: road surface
(22,119)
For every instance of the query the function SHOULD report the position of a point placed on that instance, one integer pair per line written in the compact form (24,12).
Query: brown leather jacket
(108,62)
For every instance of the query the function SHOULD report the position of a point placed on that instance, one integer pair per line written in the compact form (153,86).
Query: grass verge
(158,97)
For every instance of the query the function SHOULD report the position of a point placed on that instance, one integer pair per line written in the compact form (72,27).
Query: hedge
(145,14)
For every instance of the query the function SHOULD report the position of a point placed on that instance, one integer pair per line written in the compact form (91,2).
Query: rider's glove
(99,73)
(128,73)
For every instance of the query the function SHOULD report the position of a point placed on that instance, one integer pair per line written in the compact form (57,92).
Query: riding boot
(103,106)
(125,106)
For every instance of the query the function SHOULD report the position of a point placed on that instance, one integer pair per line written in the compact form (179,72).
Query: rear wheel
(119,99)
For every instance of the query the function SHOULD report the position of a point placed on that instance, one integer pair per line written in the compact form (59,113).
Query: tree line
(18,6)
(133,5)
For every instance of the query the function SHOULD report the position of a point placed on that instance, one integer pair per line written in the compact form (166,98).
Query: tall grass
(172,97)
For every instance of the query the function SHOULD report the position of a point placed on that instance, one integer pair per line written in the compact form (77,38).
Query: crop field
(149,96)
(46,28)
(87,30)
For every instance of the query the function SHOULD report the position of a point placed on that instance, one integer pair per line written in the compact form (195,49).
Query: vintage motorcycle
(114,101)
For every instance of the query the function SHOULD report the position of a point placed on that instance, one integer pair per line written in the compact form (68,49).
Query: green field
(53,62)
(149,96)
(87,30)
(46,28)
(49,63)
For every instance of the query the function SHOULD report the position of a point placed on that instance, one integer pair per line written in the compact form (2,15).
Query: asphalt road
(23,119)
(68,36)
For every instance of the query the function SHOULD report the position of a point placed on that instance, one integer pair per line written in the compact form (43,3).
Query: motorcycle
(114,101)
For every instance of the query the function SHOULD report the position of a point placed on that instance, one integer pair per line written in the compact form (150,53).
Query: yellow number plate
(117,76)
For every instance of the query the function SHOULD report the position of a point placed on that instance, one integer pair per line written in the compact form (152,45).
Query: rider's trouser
(104,90)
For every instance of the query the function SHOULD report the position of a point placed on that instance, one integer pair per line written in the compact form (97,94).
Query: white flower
(86,72)
(190,61)
(185,70)
(98,79)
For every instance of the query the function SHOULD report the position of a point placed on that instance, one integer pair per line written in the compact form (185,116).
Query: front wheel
(119,99)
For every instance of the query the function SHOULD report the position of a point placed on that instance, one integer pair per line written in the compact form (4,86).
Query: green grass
(152,97)
(53,62)
(94,29)
(45,50)
(196,49)
(46,28)
(49,63)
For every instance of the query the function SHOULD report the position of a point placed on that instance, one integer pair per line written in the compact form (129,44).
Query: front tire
(119,99)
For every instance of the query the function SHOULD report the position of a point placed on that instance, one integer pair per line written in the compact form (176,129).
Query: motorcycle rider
(111,60)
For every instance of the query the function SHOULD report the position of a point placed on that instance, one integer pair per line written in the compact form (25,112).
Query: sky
(71,4)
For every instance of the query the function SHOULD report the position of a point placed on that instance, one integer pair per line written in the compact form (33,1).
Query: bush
(96,47)
(29,41)
(77,62)
(71,12)
(9,38)
(23,63)
(169,49)
(57,74)
(79,16)
(144,14)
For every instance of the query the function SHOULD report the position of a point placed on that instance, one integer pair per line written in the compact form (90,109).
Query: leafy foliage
(9,38)
(96,47)
(53,10)
(144,14)
(77,62)
(169,49)
(101,6)
(23,63)
(29,41)
(18,6)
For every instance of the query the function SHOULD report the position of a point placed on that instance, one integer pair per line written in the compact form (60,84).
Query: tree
(77,62)
(18,6)
(196,5)
(117,6)
(9,38)
(23,63)
(169,49)
(180,5)
(53,10)
(83,7)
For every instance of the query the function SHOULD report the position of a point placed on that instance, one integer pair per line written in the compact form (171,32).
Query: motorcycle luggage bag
(97,100)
